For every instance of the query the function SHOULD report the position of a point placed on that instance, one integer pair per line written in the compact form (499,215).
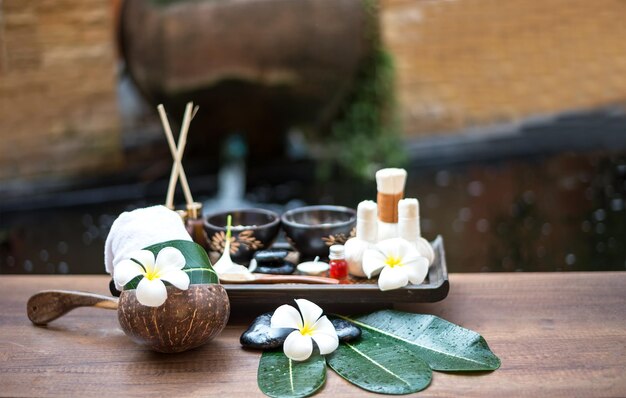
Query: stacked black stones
(260,335)
(273,261)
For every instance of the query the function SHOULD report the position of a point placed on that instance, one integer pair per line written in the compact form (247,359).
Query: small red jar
(338,264)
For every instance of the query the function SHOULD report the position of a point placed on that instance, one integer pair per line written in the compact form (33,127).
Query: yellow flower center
(306,330)
(394,261)
(151,275)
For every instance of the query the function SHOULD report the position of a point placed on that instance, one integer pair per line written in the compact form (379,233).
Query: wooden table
(558,335)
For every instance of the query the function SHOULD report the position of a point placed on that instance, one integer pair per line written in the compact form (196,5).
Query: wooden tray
(434,288)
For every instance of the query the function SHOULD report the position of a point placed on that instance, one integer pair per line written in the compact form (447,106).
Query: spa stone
(260,334)
(271,257)
(286,268)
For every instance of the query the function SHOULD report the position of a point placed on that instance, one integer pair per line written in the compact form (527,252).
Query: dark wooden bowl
(313,229)
(188,318)
(259,231)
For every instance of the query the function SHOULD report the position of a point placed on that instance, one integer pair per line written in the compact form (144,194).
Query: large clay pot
(253,66)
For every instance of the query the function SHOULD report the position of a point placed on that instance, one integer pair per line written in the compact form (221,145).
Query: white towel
(138,229)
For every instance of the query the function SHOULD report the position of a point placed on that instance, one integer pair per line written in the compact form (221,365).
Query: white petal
(223,264)
(145,258)
(392,278)
(297,346)
(310,311)
(176,277)
(325,335)
(373,262)
(390,247)
(169,258)
(426,250)
(125,271)
(406,248)
(151,293)
(226,266)
(286,316)
(326,343)
(325,326)
(397,247)
(416,269)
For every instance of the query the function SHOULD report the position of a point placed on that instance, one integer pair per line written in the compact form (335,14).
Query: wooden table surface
(558,335)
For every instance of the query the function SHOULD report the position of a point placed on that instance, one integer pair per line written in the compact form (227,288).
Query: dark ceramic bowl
(312,230)
(252,230)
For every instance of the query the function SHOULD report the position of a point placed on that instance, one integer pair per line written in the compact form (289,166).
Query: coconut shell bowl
(188,318)
(252,230)
(312,230)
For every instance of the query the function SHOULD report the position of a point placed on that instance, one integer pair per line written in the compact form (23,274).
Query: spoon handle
(317,280)
(49,305)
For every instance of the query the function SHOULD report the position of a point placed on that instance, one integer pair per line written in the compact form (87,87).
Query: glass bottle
(195,224)
(338,264)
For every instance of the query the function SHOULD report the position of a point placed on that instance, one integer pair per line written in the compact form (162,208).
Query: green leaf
(280,377)
(443,345)
(198,266)
(377,363)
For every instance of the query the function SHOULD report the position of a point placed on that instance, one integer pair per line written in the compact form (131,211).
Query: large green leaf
(379,364)
(443,345)
(280,377)
(198,266)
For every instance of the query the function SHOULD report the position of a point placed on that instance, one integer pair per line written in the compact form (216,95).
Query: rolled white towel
(138,229)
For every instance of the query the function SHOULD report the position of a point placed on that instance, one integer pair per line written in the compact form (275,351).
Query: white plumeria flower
(398,261)
(310,326)
(225,266)
(167,267)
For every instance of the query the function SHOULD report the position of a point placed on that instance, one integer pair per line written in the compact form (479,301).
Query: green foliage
(396,354)
(279,376)
(377,363)
(198,266)
(442,344)
(366,135)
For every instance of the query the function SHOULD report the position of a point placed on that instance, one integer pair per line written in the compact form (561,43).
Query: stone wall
(460,63)
(58,105)
(464,63)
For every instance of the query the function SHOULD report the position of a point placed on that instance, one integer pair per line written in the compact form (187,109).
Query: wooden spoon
(253,278)
(49,305)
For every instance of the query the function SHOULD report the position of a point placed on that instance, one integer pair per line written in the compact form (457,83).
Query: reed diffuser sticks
(177,154)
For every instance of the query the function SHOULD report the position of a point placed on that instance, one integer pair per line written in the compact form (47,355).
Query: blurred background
(510,118)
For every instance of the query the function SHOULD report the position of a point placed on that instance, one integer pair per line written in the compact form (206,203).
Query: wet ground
(556,212)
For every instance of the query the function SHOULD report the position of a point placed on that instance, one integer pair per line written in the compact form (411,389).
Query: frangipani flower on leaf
(309,325)
(225,265)
(398,262)
(167,267)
